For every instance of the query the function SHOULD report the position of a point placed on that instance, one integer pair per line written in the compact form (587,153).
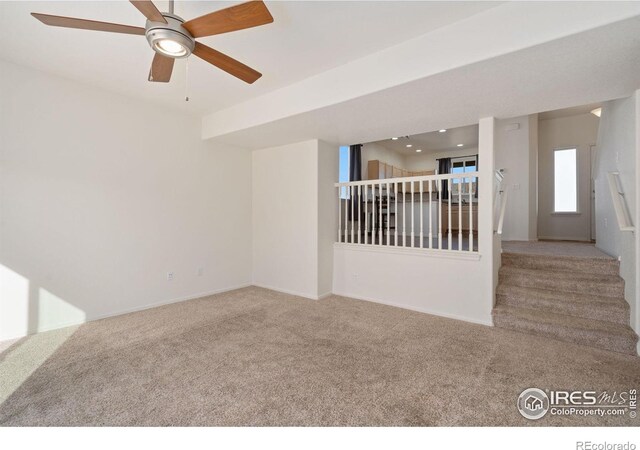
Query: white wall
(516,154)
(428,161)
(101,196)
(421,282)
(374,151)
(285,218)
(295,217)
(328,161)
(617,151)
(429,281)
(502,30)
(414,162)
(580,132)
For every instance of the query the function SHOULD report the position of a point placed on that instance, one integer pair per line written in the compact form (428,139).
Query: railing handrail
(619,204)
(503,209)
(500,207)
(444,176)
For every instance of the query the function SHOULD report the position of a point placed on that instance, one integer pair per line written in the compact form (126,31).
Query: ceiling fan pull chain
(186,81)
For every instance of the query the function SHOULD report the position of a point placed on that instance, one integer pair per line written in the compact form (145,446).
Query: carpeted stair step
(581,283)
(586,306)
(600,266)
(594,333)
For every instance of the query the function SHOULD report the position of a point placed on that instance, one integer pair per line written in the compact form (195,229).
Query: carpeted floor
(554,248)
(257,357)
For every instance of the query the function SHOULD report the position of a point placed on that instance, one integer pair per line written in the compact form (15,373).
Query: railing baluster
(373,213)
(395,229)
(460,184)
(430,215)
(413,218)
(470,214)
(346,214)
(339,214)
(449,236)
(380,233)
(440,214)
(421,214)
(404,215)
(359,213)
(366,214)
(388,213)
(353,220)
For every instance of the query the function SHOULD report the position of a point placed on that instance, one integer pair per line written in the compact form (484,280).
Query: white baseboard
(134,309)
(488,323)
(565,238)
(168,302)
(285,291)
(288,291)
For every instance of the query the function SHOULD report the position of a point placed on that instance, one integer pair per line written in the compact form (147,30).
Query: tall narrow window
(463,165)
(343,176)
(565,180)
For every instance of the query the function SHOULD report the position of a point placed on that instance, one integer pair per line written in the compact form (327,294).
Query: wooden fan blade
(161,68)
(239,17)
(84,24)
(149,10)
(226,63)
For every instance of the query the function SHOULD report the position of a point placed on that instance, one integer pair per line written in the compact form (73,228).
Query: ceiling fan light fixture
(170,39)
(170,48)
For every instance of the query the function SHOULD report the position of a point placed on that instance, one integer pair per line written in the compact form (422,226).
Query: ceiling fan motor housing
(159,33)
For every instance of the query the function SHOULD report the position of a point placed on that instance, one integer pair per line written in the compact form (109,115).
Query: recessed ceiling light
(460,145)
(418,150)
(597,112)
(442,131)
(409,145)
(394,139)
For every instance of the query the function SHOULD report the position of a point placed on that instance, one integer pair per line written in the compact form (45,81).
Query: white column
(490,261)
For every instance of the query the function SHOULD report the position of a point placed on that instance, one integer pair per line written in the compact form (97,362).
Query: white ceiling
(435,141)
(572,111)
(306,38)
(593,66)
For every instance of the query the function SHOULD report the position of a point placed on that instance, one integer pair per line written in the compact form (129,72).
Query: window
(565,181)
(344,170)
(463,165)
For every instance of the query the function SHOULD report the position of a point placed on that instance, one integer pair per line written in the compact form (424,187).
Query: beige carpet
(257,357)
(554,248)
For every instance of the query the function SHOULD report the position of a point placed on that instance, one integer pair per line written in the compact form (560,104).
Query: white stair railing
(503,209)
(619,204)
(412,212)
(499,201)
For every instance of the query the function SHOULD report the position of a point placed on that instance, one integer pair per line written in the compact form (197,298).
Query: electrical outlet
(170,276)
(200,271)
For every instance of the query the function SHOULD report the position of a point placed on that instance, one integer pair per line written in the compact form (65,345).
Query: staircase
(570,298)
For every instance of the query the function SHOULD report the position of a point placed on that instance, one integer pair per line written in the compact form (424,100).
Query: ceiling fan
(171,37)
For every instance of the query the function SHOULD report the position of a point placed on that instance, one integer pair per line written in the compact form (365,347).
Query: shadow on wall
(26,309)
